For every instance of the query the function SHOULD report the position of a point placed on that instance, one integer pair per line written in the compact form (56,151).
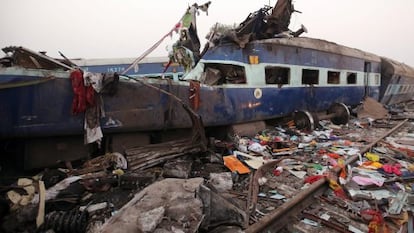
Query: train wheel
(304,120)
(341,112)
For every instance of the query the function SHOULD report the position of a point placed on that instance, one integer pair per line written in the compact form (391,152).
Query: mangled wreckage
(258,71)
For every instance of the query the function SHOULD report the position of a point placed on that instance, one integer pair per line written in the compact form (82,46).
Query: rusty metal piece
(353,210)
(263,25)
(278,219)
(333,225)
(279,20)
(30,59)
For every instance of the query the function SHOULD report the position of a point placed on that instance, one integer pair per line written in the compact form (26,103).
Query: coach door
(367,70)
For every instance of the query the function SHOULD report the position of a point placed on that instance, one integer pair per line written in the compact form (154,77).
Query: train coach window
(333,77)
(351,78)
(218,74)
(277,75)
(377,79)
(310,77)
(402,89)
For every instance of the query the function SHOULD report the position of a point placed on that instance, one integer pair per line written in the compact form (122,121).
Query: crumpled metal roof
(23,57)
(397,68)
(264,23)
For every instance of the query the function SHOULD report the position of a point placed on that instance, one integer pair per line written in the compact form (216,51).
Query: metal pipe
(326,116)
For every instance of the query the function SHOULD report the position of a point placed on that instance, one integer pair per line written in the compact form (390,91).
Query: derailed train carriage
(149,67)
(238,80)
(396,82)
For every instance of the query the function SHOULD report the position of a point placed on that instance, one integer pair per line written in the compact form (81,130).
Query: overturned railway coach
(279,76)
(47,105)
(266,79)
(397,82)
(150,67)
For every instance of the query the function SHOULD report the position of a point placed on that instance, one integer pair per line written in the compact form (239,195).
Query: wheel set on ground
(338,113)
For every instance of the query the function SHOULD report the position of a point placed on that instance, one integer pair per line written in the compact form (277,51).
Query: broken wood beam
(151,147)
(154,154)
(157,153)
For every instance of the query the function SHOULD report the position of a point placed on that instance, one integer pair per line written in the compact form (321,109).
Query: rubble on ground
(233,185)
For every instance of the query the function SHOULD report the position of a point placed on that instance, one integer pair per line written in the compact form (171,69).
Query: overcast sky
(126,28)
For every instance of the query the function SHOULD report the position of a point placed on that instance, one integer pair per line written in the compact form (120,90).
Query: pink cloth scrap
(362,180)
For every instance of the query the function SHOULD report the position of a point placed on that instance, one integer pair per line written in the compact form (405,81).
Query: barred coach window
(333,77)
(351,78)
(277,75)
(310,77)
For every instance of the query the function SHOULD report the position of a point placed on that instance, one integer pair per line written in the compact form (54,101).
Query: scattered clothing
(87,88)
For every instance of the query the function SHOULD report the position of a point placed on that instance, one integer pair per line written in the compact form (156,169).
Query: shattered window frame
(279,75)
(310,76)
(226,74)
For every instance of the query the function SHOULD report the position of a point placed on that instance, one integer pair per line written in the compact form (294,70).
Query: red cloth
(396,169)
(377,223)
(313,179)
(194,95)
(333,155)
(83,96)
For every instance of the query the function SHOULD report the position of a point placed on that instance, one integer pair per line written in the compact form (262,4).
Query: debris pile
(349,178)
